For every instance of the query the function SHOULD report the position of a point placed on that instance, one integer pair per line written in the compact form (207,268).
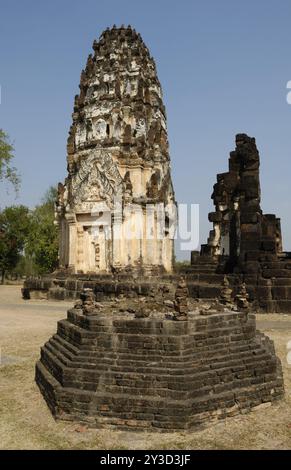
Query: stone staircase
(157,373)
(274,286)
(204,279)
(268,282)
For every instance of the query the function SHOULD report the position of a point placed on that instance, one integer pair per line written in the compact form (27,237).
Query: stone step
(201,268)
(141,352)
(241,349)
(205,260)
(52,363)
(237,341)
(140,411)
(275,306)
(205,290)
(120,365)
(281,264)
(236,400)
(283,306)
(128,402)
(199,346)
(193,390)
(205,278)
(203,360)
(66,357)
(66,345)
(190,386)
(278,272)
(281,293)
(235,362)
(170,379)
(226,325)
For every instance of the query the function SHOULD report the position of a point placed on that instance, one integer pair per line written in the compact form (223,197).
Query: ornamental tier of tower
(118,164)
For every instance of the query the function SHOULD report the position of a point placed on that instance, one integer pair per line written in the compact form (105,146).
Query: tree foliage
(14,229)
(29,239)
(7,171)
(42,241)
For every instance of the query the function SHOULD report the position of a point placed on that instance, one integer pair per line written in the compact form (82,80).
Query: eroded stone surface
(110,368)
(240,229)
(118,163)
(244,243)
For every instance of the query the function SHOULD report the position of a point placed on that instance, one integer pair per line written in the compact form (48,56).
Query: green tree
(42,242)
(14,229)
(7,172)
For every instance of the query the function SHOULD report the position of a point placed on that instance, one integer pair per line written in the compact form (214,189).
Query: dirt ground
(26,423)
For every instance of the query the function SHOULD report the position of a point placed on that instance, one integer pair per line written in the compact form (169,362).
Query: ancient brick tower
(118,164)
(244,242)
(240,229)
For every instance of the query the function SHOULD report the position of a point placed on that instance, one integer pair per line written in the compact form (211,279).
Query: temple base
(155,373)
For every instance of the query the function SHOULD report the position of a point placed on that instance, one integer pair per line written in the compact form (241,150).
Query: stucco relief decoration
(98,178)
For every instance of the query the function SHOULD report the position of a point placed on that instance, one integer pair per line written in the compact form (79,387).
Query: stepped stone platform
(113,368)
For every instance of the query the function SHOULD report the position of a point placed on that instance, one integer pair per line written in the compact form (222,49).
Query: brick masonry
(245,242)
(157,373)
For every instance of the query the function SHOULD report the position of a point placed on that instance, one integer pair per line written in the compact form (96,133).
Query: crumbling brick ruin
(113,366)
(135,351)
(240,230)
(244,243)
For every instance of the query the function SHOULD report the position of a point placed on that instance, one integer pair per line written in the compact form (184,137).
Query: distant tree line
(28,238)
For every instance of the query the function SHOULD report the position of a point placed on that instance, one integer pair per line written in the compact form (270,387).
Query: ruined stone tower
(245,242)
(240,229)
(110,209)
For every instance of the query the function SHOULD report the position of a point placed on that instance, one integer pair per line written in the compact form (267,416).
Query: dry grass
(26,422)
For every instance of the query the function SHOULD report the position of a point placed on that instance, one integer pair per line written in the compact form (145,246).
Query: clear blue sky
(223,65)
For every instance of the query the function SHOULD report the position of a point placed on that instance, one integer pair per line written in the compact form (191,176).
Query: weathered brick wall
(155,372)
(270,287)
